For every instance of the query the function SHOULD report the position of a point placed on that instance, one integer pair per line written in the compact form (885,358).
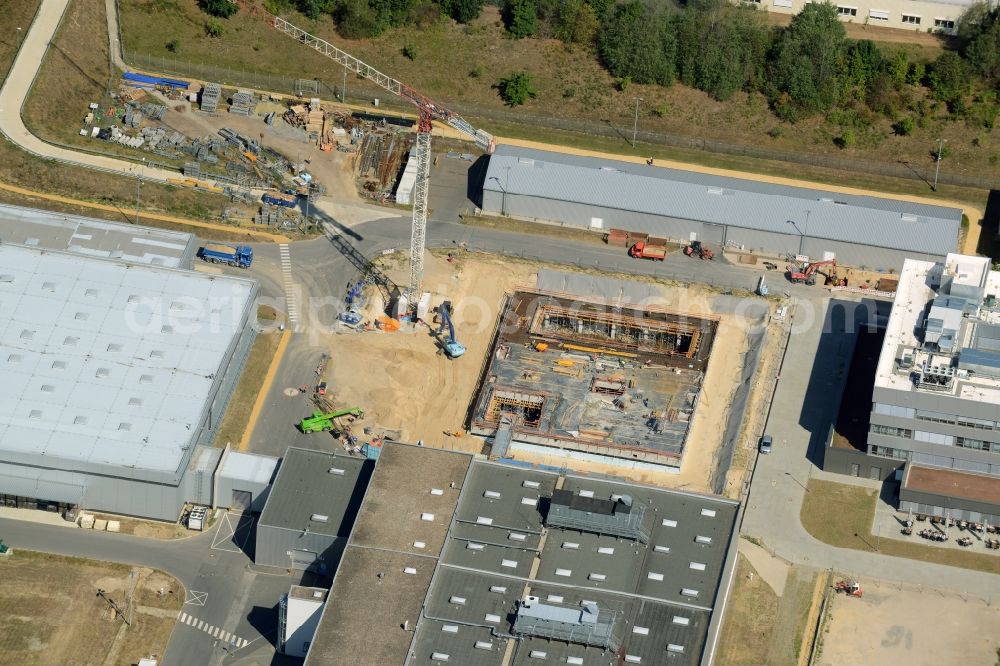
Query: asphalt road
(805,405)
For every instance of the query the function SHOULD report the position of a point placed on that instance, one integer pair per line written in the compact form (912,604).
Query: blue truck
(240,256)
(276,198)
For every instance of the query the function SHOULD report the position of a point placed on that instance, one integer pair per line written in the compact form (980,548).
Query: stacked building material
(153,111)
(314,119)
(243,103)
(153,136)
(192,170)
(210,96)
(132,116)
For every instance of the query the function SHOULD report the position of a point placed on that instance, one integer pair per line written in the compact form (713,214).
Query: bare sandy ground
(889,625)
(401,378)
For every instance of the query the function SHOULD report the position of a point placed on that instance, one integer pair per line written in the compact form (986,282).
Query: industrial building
(118,366)
(602,381)
(310,510)
(96,238)
(243,481)
(298,614)
(738,215)
(455,559)
(936,390)
(917,15)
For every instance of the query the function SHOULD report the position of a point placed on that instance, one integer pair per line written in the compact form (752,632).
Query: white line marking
(225,635)
(181,616)
(201,625)
(215,632)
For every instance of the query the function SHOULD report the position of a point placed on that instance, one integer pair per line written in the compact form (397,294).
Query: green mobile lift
(322,422)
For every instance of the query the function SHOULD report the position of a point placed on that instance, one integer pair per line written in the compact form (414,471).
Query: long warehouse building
(739,215)
(118,363)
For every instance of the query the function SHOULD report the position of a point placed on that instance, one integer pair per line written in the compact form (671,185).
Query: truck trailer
(240,256)
(276,198)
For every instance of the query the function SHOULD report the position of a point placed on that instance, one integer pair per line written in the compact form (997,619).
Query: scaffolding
(525,409)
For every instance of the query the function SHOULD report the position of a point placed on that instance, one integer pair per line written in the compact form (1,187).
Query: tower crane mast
(429,111)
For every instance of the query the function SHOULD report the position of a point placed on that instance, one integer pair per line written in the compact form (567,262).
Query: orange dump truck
(651,248)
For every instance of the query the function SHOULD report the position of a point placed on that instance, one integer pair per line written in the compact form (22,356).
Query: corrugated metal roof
(890,223)
(107,364)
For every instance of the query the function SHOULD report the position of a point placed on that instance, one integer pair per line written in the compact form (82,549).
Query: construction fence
(354,90)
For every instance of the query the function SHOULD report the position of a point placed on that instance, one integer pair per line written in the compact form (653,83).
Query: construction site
(650,392)
(235,142)
(615,384)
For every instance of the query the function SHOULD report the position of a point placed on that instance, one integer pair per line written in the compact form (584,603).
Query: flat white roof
(918,285)
(95,238)
(248,467)
(108,365)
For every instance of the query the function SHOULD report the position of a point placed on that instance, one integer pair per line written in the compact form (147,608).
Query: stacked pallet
(314,118)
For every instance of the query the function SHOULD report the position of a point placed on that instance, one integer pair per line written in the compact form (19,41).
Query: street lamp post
(802,235)
(503,190)
(18,45)
(635,124)
(937,166)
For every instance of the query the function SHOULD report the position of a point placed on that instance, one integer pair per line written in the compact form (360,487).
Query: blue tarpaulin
(145,80)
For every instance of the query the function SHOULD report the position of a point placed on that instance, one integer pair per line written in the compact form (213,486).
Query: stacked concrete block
(192,170)
(210,96)
(243,103)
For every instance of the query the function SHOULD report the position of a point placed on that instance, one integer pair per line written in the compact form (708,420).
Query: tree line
(804,69)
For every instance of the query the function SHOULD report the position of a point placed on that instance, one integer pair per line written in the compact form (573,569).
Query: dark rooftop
(412,484)
(317,491)
(654,601)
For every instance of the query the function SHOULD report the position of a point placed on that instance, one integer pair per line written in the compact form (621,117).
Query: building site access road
(17,86)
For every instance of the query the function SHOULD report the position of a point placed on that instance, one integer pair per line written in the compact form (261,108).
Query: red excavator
(807,273)
(696,249)
(849,587)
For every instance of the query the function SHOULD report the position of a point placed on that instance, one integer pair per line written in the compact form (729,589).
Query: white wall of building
(300,625)
(903,14)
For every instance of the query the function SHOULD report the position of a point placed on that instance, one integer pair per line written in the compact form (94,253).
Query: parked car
(765,444)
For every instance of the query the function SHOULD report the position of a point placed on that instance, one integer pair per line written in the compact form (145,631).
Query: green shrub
(903,126)
(516,88)
(220,8)
(214,29)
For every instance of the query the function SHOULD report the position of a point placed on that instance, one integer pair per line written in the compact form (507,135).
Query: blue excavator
(452,347)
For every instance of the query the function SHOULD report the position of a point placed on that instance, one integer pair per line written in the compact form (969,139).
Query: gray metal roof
(317,491)
(107,366)
(890,223)
(95,238)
